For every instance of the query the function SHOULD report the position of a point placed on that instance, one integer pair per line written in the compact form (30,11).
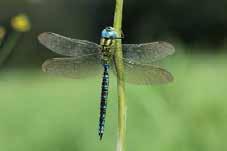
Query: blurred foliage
(2,32)
(44,113)
(8,40)
(2,35)
(195,23)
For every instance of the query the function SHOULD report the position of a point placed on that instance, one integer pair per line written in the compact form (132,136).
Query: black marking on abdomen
(104,96)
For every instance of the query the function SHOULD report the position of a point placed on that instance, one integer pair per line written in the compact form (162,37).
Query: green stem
(2,34)
(120,80)
(8,45)
(1,42)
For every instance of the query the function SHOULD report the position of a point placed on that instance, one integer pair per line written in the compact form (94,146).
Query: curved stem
(8,46)
(120,80)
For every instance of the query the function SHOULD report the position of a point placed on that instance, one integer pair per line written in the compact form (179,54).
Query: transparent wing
(80,67)
(147,53)
(145,74)
(67,46)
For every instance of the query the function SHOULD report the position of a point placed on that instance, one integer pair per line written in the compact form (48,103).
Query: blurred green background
(41,112)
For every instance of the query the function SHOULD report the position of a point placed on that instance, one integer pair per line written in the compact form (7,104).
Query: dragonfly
(83,58)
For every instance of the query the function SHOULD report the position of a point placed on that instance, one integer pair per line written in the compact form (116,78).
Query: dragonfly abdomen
(104,96)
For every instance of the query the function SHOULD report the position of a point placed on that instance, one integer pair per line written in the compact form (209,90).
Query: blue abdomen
(104,96)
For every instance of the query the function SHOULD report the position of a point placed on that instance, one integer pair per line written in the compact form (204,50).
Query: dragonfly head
(109,32)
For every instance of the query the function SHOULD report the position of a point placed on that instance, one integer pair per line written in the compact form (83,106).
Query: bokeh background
(41,112)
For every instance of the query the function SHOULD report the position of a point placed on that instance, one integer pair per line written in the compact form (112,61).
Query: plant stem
(120,79)
(19,25)
(8,46)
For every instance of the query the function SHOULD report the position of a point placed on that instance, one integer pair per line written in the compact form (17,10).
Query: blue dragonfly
(85,58)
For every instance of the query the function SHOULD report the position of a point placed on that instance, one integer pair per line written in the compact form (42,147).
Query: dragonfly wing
(145,74)
(67,46)
(79,67)
(147,53)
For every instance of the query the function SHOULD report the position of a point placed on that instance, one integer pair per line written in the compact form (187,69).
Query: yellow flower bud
(21,23)
(2,32)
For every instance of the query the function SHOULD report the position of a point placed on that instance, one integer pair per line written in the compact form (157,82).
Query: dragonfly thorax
(107,50)
(108,36)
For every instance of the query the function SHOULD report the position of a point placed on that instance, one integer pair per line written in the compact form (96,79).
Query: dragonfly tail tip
(100,136)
